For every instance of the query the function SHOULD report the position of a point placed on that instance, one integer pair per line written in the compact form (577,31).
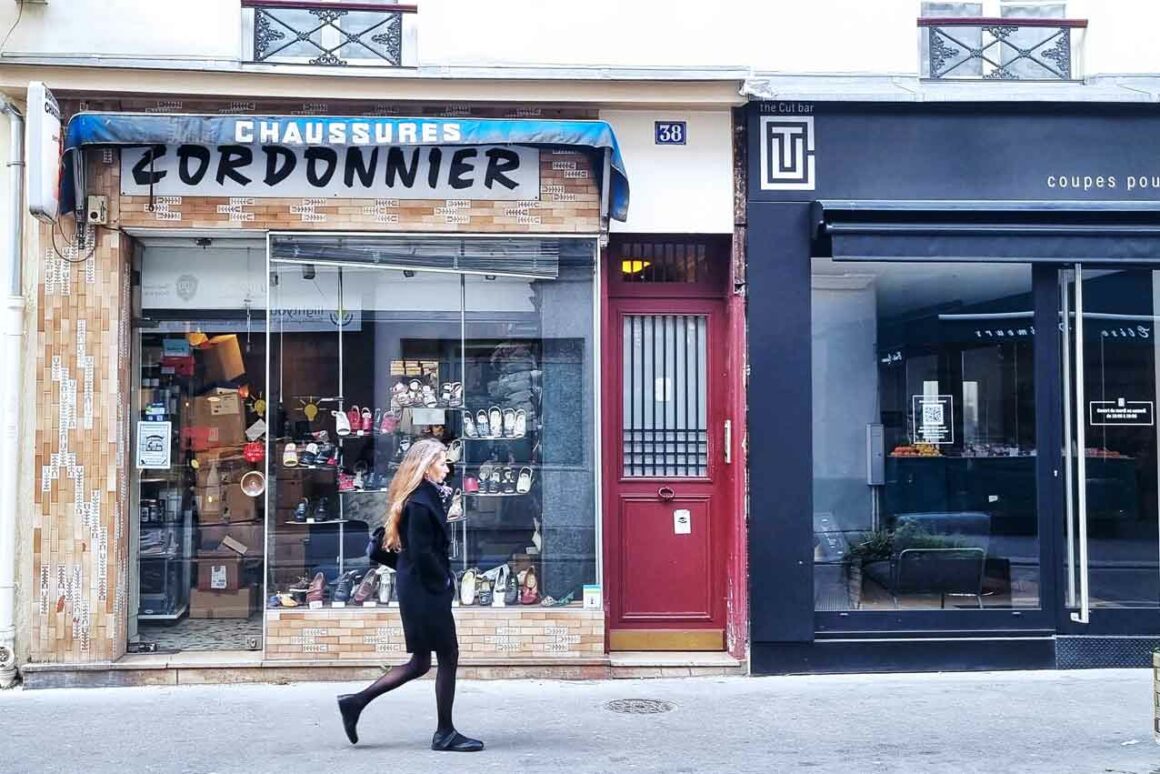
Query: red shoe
(354,416)
(317,589)
(368,423)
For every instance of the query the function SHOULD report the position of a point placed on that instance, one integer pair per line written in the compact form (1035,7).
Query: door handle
(1083,616)
(728,441)
(666,493)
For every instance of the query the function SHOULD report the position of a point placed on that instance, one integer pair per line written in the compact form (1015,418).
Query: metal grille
(333,34)
(664,387)
(671,262)
(639,706)
(1104,652)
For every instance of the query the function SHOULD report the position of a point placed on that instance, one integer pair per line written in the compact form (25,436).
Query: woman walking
(416,529)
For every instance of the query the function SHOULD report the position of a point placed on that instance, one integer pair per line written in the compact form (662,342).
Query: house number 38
(670,132)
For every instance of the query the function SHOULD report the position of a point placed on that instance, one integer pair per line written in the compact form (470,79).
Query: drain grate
(640,706)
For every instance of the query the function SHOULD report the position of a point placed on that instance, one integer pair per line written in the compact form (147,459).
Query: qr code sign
(932,414)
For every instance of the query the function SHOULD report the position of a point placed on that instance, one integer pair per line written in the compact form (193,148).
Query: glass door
(1110,361)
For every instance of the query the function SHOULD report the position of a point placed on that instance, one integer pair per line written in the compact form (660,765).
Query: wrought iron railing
(1009,49)
(330,34)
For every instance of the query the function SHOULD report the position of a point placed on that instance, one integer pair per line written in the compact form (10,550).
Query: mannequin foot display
(350,710)
(453,741)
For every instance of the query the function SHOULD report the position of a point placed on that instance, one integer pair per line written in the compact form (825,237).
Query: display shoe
(495,421)
(428,396)
(290,455)
(509,423)
(470,484)
(511,592)
(386,584)
(445,396)
(286,600)
(455,511)
(529,587)
(524,482)
(327,454)
(350,708)
(366,423)
(320,512)
(345,586)
(469,429)
(483,591)
(300,510)
(454,451)
(521,423)
(400,395)
(316,592)
(309,455)
(299,589)
(367,587)
(453,741)
(345,482)
(508,480)
(389,423)
(341,423)
(467,588)
(481,426)
(456,394)
(415,392)
(378,420)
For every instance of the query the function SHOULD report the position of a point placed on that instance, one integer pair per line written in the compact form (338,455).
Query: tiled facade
(357,634)
(80,535)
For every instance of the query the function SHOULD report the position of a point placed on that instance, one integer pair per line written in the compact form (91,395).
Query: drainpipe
(11,348)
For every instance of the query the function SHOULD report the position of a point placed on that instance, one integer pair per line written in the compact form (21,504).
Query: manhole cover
(640,706)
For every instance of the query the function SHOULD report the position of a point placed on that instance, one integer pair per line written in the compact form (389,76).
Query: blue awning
(138,129)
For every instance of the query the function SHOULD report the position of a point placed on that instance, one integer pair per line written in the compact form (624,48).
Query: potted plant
(875,546)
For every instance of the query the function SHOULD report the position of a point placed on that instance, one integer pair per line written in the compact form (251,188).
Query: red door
(667,512)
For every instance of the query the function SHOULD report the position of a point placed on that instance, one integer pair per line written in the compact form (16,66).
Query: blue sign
(670,132)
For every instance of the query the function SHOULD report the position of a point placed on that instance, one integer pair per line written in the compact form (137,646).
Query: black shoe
(346,586)
(453,741)
(350,711)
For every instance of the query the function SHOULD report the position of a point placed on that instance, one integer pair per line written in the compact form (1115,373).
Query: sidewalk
(1052,722)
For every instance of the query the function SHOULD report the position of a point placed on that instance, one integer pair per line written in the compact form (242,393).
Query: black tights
(419,665)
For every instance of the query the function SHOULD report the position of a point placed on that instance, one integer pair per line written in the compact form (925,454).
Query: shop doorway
(667,504)
(1110,361)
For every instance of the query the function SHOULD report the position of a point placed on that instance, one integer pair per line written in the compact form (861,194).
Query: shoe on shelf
(509,423)
(453,741)
(456,395)
(454,451)
(367,424)
(354,418)
(367,587)
(345,586)
(300,510)
(290,455)
(524,482)
(320,513)
(495,421)
(316,592)
(469,429)
(341,423)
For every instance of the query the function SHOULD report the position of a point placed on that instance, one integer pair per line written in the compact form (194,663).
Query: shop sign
(154,445)
(42,153)
(486,172)
(1121,412)
(932,419)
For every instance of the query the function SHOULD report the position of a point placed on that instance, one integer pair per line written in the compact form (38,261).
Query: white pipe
(11,347)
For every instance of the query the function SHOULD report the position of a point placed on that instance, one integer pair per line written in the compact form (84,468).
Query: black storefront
(952,316)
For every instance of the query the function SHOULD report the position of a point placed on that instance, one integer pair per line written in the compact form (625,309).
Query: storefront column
(780,456)
(79,532)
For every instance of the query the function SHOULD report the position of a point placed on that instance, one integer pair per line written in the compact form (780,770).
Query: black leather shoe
(453,741)
(350,711)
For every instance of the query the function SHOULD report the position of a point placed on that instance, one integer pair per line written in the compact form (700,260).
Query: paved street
(1051,722)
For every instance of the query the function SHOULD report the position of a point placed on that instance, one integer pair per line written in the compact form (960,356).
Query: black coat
(426,584)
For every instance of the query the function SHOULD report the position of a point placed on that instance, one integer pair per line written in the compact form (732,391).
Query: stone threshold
(216,667)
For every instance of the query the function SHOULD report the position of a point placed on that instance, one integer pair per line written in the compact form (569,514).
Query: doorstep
(219,667)
(645,664)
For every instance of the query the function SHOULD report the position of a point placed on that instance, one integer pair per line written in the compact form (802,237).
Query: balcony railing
(329,34)
(1008,49)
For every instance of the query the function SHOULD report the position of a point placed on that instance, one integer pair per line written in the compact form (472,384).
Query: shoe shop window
(200,363)
(483,343)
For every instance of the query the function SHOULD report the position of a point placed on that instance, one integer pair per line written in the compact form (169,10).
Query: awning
(89,130)
(1014,231)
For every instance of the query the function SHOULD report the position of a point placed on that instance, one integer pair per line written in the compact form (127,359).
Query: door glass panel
(923,437)
(1116,404)
(664,396)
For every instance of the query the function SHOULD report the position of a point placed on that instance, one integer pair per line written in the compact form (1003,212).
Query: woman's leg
(352,705)
(445,685)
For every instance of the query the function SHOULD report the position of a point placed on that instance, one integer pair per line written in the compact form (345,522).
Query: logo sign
(670,132)
(787,153)
(1132,413)
(311,171)
(932,419)
(154,442)
(42,149)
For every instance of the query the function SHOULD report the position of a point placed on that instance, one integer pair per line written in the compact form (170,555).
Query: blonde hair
(418,460)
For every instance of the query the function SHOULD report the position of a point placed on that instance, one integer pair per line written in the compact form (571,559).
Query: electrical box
(875,455)
(97,210)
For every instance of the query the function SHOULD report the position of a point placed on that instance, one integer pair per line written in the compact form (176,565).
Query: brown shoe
(367,588)
(317,590)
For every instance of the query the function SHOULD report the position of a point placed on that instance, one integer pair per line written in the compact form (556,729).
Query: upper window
(329,34)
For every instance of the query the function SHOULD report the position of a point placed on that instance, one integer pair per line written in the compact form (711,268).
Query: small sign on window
(670,132)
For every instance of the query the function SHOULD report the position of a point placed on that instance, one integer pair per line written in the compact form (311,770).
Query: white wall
(676,188)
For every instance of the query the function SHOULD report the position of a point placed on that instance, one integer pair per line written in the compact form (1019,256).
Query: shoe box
(215,419)
(244,539)
(219,492)
(218,570)
(221,357)
(238,603)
